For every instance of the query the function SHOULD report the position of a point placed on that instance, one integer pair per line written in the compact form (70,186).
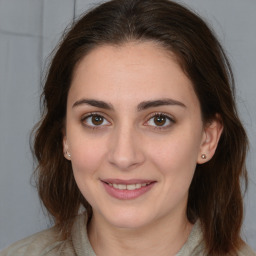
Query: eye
(94,120)
(160,120)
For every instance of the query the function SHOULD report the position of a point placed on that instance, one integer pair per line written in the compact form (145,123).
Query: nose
(126,149)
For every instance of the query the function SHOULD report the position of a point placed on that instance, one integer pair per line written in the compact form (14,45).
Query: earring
(68,154)
(203,156)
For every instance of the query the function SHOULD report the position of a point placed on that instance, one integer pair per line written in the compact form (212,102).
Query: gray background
(29,30)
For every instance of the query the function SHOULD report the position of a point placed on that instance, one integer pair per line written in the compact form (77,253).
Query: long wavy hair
(215,195)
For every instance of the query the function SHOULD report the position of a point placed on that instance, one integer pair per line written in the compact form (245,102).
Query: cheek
(86,159)
(87,156)
(176,153)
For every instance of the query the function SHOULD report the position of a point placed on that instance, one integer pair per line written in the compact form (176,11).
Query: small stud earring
(203,156)
(68,154)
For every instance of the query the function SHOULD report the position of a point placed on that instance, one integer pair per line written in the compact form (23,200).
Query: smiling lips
(127,189)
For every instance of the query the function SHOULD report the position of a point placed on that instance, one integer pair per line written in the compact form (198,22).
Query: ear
(210,139)
(65,147)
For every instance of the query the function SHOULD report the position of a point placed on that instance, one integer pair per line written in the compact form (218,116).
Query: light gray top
(46,243)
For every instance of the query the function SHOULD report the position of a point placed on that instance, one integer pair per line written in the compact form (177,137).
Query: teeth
(121,186)
(131,187)
(138,186)
(128,187)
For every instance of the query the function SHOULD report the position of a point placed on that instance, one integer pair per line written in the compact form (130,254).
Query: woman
(139,128)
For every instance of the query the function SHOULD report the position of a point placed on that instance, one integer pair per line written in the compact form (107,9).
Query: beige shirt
(46,243)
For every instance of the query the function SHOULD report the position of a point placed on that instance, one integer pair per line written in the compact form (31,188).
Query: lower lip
(127,194)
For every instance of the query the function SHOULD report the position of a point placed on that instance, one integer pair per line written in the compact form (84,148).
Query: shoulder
(246,251)
(44,243)
(195,245)
(48,242)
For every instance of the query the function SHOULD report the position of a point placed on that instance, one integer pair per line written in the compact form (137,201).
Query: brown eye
(160,120)
(97,120)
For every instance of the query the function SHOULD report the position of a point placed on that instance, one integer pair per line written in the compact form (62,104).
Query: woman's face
(134,132)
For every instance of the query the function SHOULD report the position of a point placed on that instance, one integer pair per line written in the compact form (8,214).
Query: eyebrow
(142,106)
(94,103)
(160,102)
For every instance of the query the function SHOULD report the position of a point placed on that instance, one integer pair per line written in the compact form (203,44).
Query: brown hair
(215,195)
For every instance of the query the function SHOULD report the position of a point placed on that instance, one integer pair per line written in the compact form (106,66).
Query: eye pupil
(97,120)
(160,120)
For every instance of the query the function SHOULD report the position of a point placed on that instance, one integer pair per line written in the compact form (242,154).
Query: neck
(163,237)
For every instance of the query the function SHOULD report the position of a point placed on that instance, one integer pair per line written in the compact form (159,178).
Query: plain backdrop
(29,30)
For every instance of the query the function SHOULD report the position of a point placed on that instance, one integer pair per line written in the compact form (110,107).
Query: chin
(128,219)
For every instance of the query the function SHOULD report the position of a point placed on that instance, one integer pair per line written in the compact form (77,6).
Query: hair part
(215,195)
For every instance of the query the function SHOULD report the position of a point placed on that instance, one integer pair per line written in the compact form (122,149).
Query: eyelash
(153,115)
(161,114)
(93,114)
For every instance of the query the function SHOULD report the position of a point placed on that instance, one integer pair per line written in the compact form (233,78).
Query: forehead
(133,71)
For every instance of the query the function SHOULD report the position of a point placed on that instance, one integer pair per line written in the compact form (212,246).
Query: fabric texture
(46,243)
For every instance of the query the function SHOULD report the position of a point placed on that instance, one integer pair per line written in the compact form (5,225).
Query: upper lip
(127,182)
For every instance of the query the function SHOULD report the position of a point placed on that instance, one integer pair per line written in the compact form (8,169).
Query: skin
(129,144)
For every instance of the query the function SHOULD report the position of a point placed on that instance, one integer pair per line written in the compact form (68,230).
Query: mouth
(127,189)
(128,186)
